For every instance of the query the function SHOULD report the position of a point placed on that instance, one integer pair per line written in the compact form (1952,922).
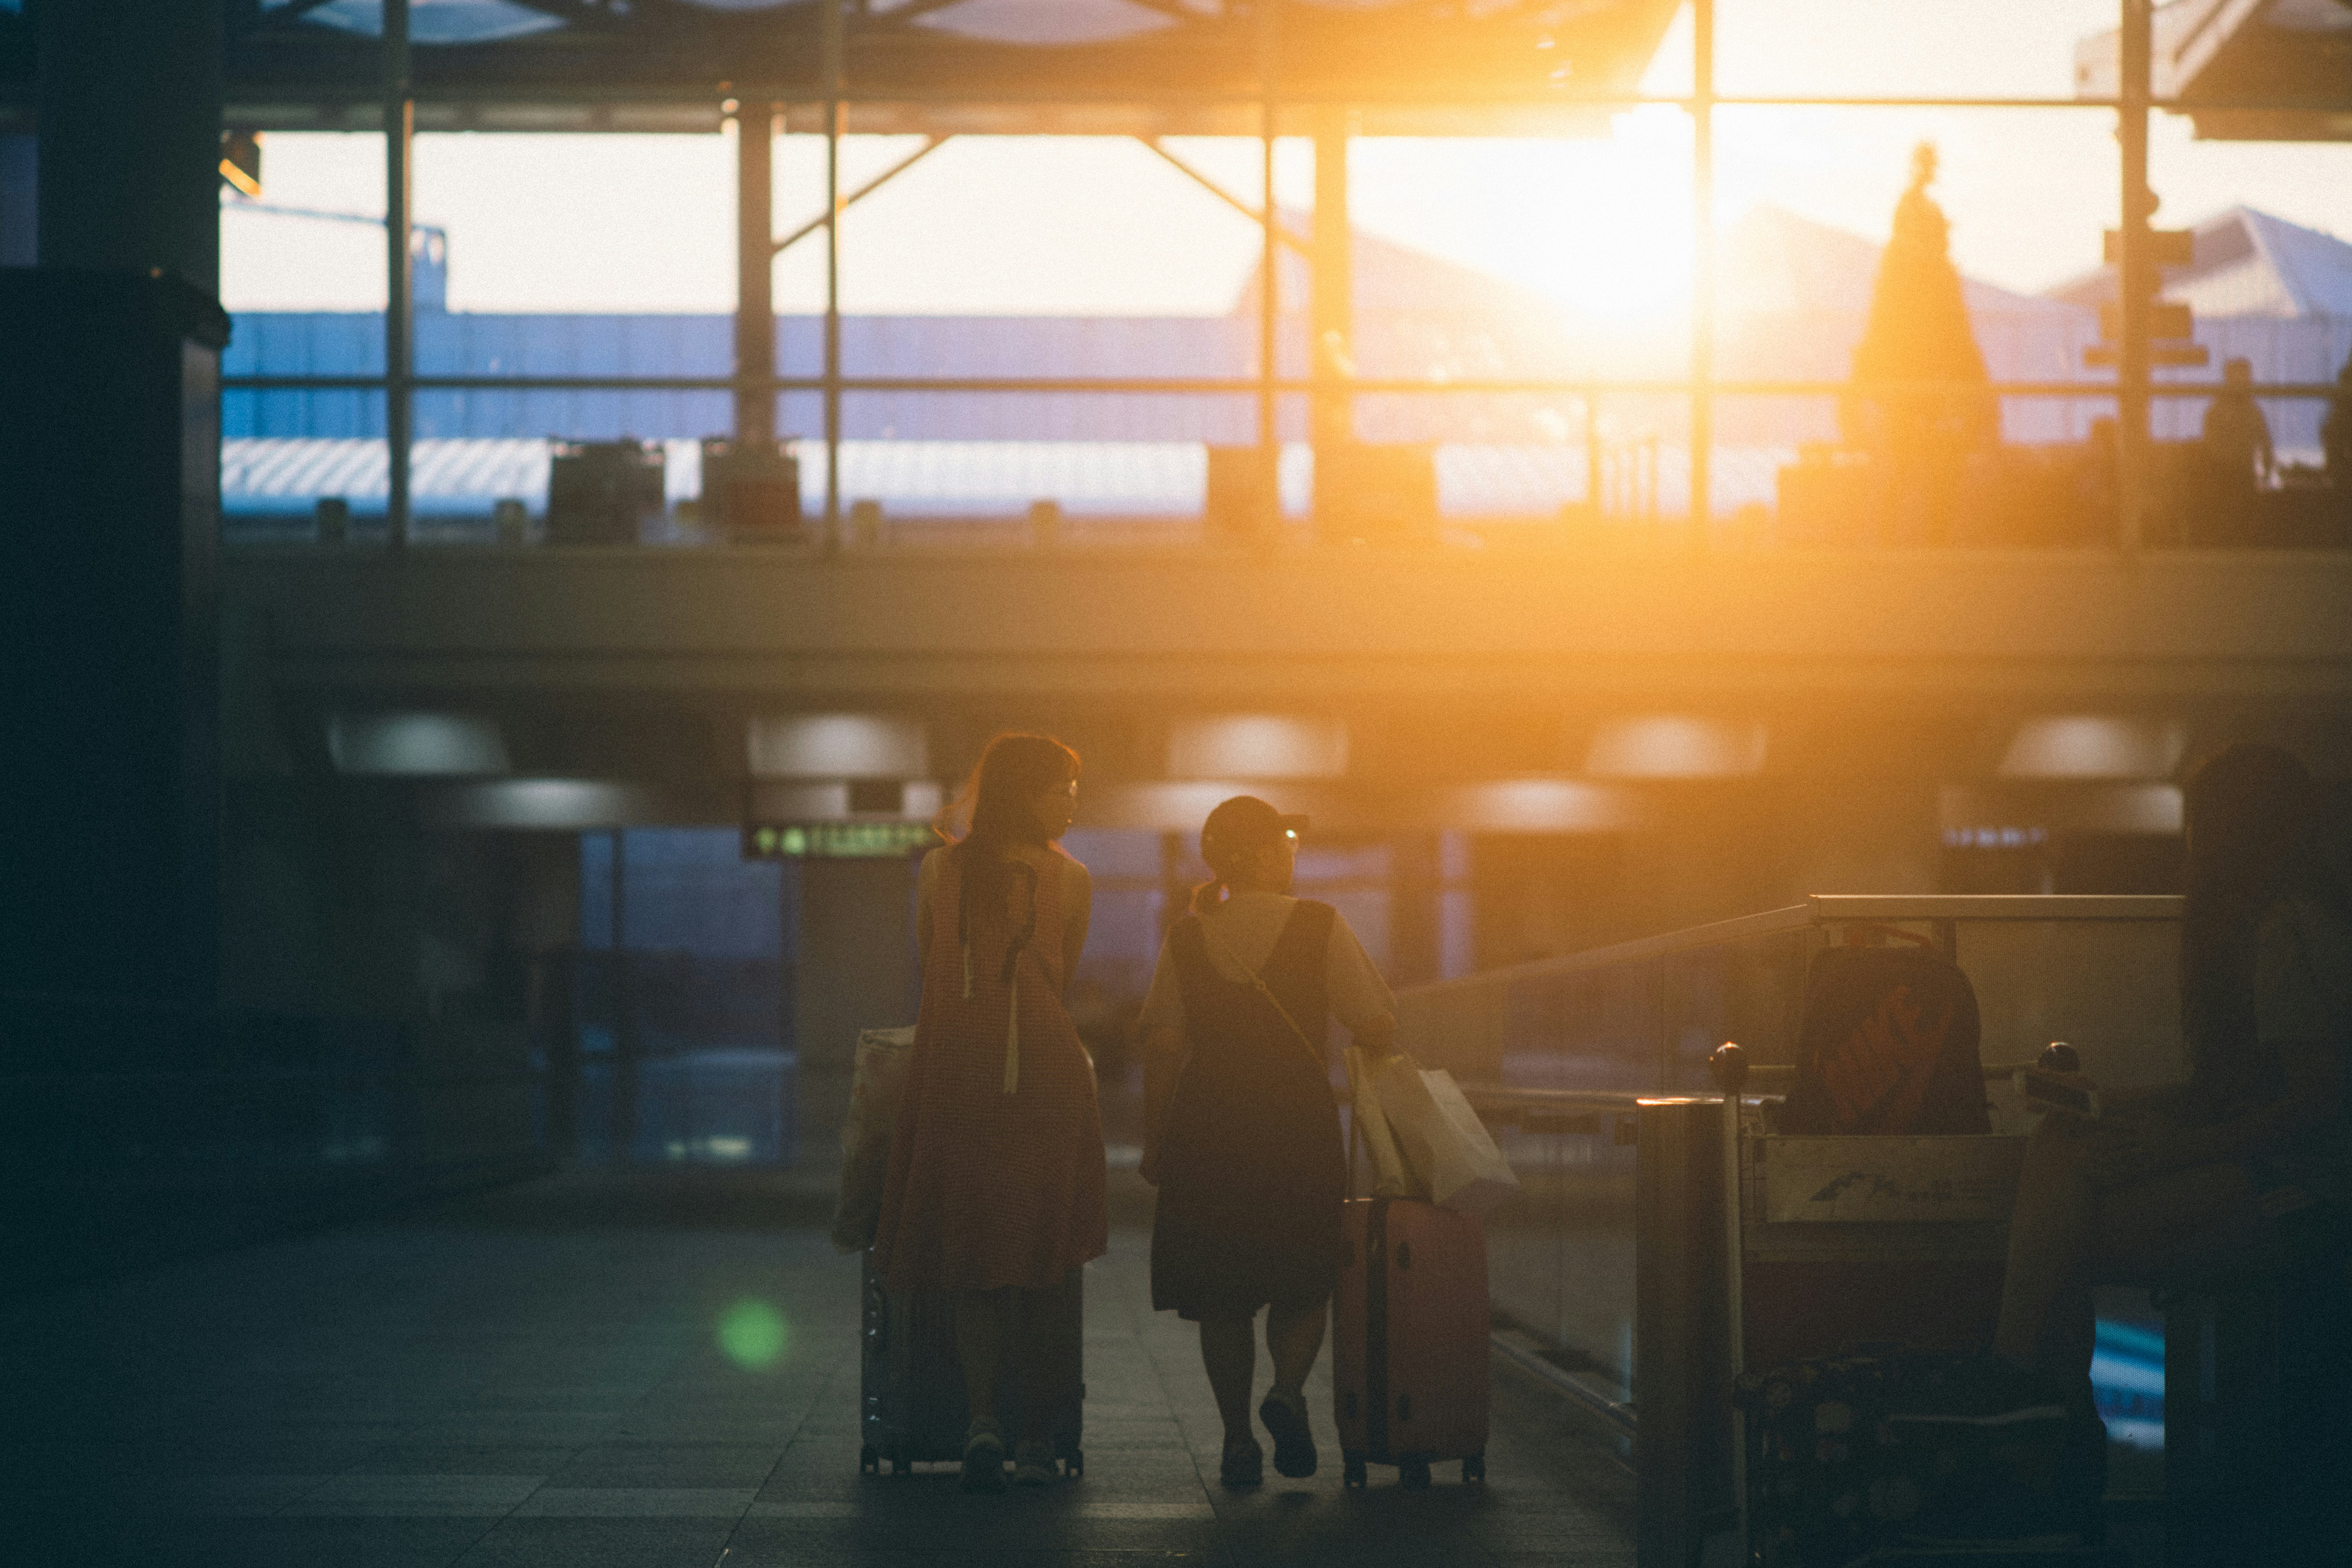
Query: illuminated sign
(834,840)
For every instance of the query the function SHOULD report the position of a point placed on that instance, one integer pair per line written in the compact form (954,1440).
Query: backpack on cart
(1888,1046)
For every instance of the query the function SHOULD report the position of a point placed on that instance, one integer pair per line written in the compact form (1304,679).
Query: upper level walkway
(1101,623)
(539,1377)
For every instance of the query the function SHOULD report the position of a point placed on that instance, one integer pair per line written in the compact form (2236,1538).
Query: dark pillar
(110,465)
(129,106)
(755,256)
(628,1046)
(1417,940)
(855,971)
(19,201)
(109,468)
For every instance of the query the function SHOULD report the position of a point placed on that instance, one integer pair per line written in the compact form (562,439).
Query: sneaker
(983,1458)
(1244,1464)
(1033,1463)
(1284,1415)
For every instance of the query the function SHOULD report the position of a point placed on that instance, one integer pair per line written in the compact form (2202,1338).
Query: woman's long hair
(2247,807)
(991,814)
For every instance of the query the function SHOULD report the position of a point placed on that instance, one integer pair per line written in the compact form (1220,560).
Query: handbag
(886,1058)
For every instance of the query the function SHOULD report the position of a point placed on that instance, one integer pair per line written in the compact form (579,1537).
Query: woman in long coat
(1242,1131)
(996,1181)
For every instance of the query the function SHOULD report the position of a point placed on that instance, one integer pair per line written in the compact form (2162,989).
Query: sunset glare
(1090,225)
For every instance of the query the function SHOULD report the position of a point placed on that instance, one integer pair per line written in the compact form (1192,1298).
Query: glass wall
(685,1000)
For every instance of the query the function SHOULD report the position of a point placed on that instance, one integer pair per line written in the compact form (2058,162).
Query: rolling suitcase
(911,1405)
(1409,1343)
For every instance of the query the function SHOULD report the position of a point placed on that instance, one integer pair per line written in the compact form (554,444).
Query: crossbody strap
(1314,1052)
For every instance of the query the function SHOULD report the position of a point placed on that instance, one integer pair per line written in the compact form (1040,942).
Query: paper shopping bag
(877,1084)
(1445,1144)
(1390,1177)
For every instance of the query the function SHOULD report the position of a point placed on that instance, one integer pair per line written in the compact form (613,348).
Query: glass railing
(1556,1052)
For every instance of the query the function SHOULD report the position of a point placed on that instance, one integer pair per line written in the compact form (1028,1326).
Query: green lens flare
(754,1334)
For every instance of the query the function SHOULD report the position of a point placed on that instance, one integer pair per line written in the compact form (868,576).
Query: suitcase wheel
(1413,1474)
(1352,1470)
(868,1461)
(1075,1465)
(1473,1468)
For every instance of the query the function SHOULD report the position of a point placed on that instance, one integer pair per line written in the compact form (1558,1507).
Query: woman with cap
(996,1184)
(1242,1131)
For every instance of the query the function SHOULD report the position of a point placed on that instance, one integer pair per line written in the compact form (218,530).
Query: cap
(1245,822)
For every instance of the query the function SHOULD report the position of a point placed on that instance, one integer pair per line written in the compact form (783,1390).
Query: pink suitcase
(1409,1340)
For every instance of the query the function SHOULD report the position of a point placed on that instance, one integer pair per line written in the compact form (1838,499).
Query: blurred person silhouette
(1242,1130)
(996,1181)
(2235,437)
(2254,1154)
(1918,331)
(2335,430)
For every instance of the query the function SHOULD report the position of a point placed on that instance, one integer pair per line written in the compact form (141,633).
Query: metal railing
(1559,1055)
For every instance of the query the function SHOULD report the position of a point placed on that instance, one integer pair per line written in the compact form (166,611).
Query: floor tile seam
(1168,1397)
(800,1430)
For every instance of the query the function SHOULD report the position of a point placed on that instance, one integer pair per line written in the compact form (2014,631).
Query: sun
(1628,259)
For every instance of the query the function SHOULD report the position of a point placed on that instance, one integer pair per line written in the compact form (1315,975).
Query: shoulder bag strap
(1312,1051)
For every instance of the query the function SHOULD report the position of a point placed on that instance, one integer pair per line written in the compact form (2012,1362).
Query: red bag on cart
(1888,1046)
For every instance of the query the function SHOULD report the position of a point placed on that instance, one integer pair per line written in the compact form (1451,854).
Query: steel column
(1332,298)
(1684,1468)
(934,144)
(832,46)
(1269,436)
(1702,346)
(2135,281)
(399,283)
(755,261)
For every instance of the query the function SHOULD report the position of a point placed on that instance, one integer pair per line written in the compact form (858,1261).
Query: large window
(1680,277)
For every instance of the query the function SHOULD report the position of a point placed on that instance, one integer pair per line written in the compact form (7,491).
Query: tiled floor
(515,1381)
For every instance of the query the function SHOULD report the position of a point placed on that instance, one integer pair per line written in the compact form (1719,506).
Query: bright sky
(1061,226)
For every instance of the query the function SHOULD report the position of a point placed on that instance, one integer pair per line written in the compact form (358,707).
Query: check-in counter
(1618,1261)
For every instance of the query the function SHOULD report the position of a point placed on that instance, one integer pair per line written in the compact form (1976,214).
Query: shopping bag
(1443,1142)
(877,1083)
(1391,1176)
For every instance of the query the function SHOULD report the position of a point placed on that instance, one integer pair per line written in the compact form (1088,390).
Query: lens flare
(753,1335)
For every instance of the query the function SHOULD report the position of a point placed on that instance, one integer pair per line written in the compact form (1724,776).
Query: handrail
(1770,1078)
(1795,918)
(1834,907)
(1502,1096)
(1829,909)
